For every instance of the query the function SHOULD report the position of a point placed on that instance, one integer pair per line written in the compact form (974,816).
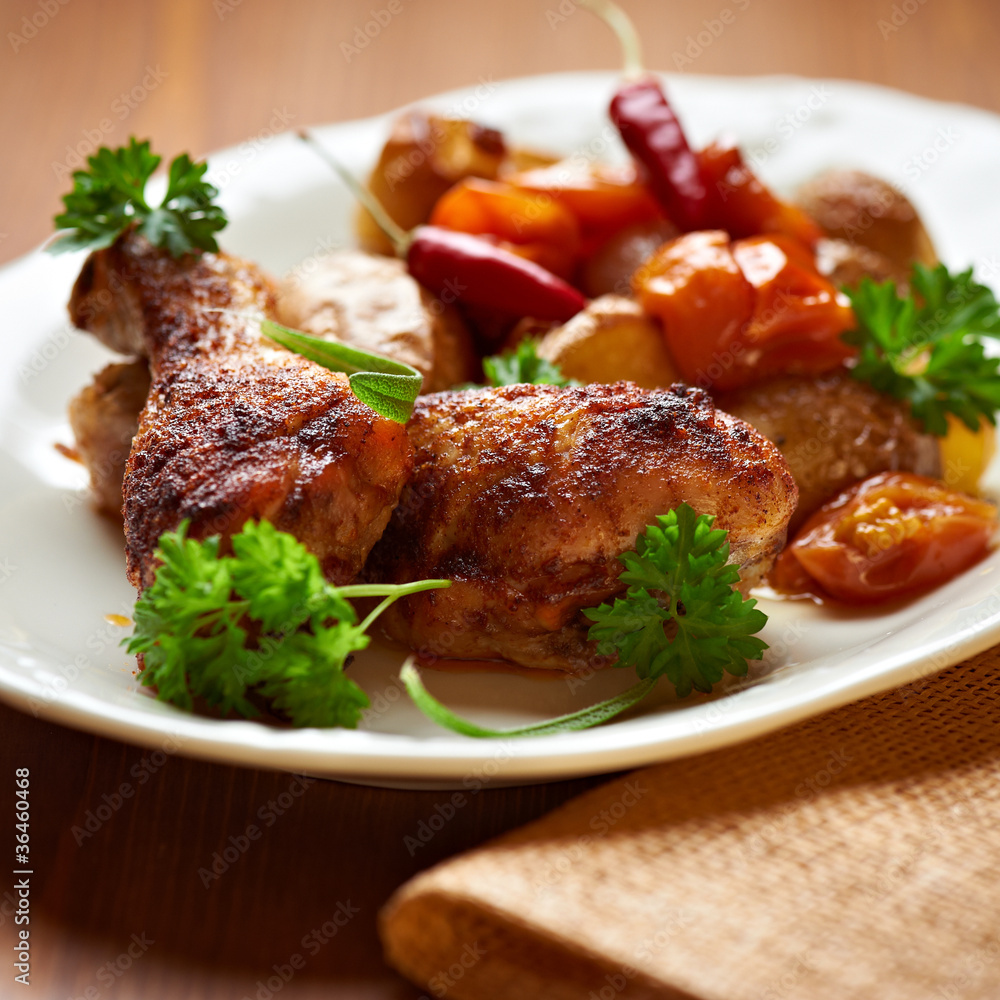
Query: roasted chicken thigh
(524,496)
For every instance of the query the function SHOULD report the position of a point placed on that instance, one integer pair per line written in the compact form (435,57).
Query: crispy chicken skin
(525,495)
(833,430)
(235,427)
(104,417)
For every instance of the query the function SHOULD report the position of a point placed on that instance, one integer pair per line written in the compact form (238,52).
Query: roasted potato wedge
(371,302)
(423,157)
(854,206)
(611,340)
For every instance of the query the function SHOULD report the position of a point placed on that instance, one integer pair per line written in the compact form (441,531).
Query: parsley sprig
(261,624)
(521,365)
(927,348)
(680,581)
(111,196)
(679,618)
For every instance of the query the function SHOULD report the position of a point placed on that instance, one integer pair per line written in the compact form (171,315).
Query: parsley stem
(585,718)
(390,591)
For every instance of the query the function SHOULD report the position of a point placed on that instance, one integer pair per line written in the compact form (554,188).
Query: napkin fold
(855,855)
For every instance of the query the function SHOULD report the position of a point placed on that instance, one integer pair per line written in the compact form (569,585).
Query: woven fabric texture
(855,855)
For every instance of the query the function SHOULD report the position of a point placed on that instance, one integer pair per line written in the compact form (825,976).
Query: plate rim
(528,759)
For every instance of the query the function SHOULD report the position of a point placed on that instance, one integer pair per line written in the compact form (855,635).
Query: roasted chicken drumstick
(524,496)
(235,427)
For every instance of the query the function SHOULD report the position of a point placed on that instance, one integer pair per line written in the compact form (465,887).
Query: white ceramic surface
(61,567)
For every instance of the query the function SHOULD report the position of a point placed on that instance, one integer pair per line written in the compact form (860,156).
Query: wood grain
(199,75)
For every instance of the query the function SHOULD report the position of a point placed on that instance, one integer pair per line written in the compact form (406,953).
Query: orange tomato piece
(603,198)
(534,225)
(798,314)
(889,536)
(694,286)
(743,206)
(735,313)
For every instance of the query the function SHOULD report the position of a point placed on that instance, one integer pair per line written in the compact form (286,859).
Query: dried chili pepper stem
(622,25)
(461,267)
(398,236)
(651,130)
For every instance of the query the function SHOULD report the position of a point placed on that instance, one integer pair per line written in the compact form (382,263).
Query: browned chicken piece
(371,302)
(854,206)
(235,427)
(104,417)
(526,495)
(833,430)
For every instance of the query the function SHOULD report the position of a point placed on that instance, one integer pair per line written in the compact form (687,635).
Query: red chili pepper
(465,268)
(653,135)
(470,269)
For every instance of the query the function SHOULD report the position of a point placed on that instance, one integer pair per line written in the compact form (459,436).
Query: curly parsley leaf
(680,617)
(111,196)
(523,365)
(261,623)
(927,348)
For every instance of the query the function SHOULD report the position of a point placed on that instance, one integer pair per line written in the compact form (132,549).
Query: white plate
(61,567)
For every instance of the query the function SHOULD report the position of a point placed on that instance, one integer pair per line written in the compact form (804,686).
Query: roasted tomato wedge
(603,198)
(534,225)
(886,537)
(743,206)
(736,313)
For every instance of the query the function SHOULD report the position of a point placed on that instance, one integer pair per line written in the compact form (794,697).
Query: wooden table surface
(119,907)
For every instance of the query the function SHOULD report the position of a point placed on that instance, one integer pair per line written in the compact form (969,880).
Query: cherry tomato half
(743,206)
(735,313)
(603,198)
(888,536)
(534,225)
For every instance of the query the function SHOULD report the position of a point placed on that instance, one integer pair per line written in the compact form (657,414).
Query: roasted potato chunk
(833,430)
(854,206)
(611,267)
(845,264)
(612,340)
(371,302)
(423,157)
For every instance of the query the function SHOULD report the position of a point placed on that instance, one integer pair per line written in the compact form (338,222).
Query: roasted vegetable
(854,206)
(612,340)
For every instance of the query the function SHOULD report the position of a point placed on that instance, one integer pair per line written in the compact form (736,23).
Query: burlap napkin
(856,855)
